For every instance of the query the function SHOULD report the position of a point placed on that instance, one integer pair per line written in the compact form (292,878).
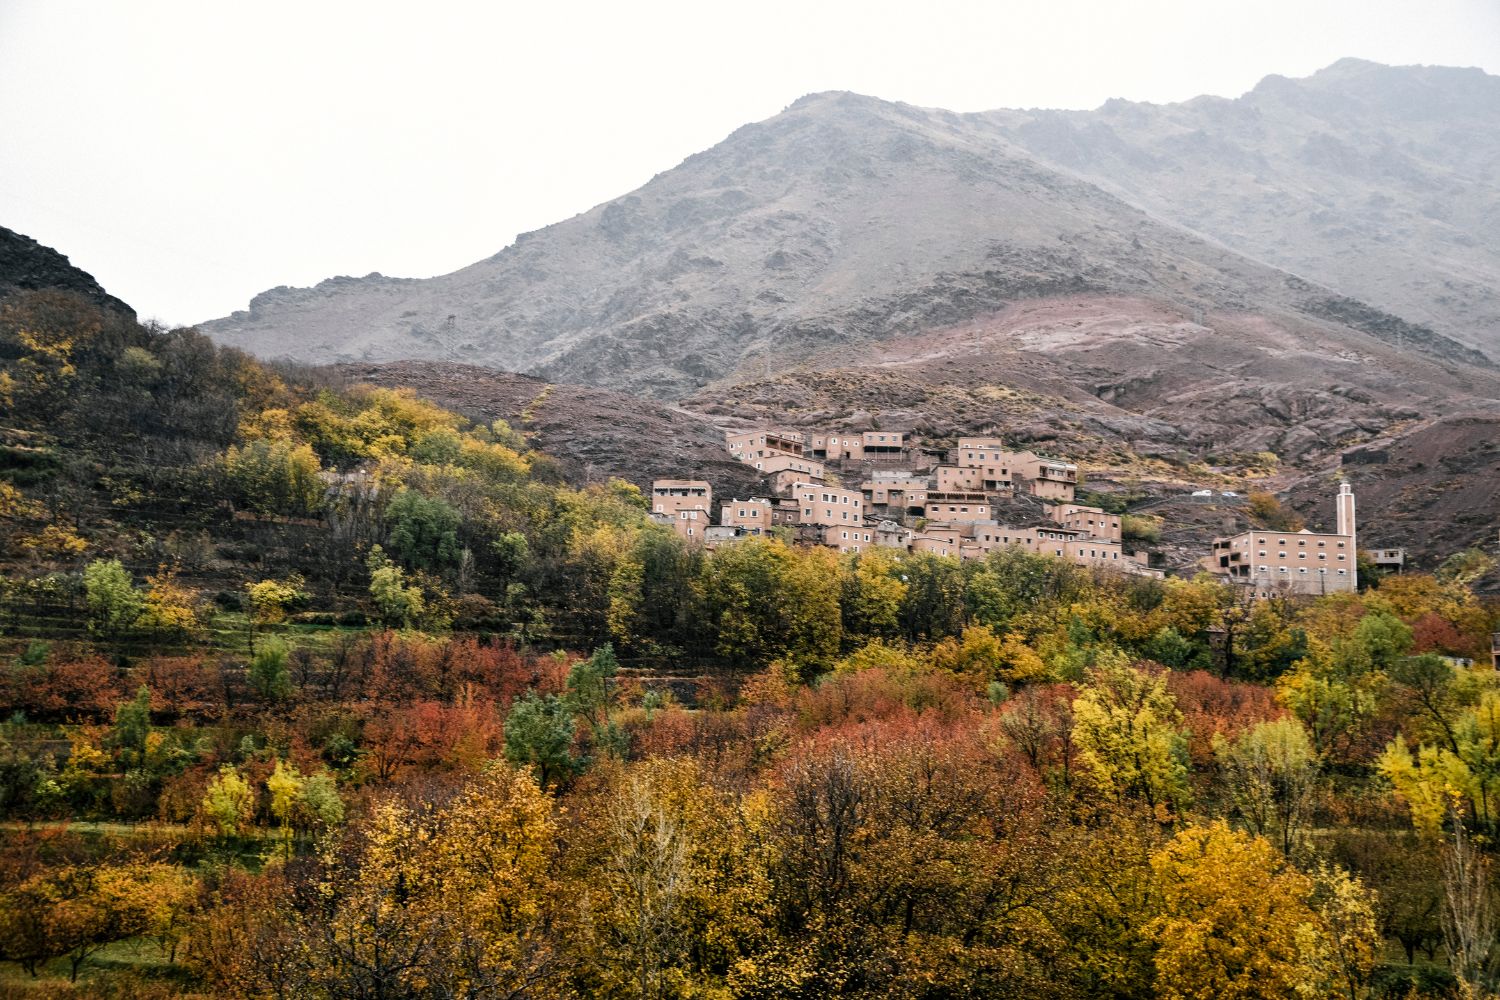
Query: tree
(539,733)
(228,804)
(285,786)
(1469,924)
(1344,948)
(275,477)
(1271,772)
(1231,911)
(269,675)
(590,694)
(399,604)
(767,601)
(648,869)
(113,602)
(1128,732)
(424,531)
(132,727)
(271,599)
(167,608)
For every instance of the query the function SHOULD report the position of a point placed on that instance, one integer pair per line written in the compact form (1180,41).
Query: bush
(1140,528)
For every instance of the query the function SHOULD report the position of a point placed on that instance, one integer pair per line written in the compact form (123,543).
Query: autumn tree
(1271,773)
(1127,729)
(1231,913)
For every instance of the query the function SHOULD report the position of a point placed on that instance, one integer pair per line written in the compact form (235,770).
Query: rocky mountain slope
(841,222)
(27,265)
(1382,182)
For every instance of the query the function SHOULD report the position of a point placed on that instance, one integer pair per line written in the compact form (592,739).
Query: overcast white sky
(190,154)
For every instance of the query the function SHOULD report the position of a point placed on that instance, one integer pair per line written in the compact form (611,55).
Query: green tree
(132,726)
(1271,773)
(269,675)
(539,734)
(228,803)
(423,532)
(113,602)
(275,477)
(399,603)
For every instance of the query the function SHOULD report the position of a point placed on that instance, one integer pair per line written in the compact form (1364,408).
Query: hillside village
(973,499)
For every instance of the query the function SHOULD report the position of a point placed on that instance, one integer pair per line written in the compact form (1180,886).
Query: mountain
(842,222)
(26,265)
(1382,182)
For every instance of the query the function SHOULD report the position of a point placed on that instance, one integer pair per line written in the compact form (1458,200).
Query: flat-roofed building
(890,535)
(878,490)
(857,446)
(1049,478)
(941,540)
(836,446)
(750,445)
(882,446)
(753,515)
(1043,541)
(686,502)
(829,505)
(1091,519)
(1295,562)
(955,506)
(1389,560)
(975,452)
(723,534)
(848,537)
(992,477)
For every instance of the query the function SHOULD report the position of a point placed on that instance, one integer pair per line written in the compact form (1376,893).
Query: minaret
(1344,509)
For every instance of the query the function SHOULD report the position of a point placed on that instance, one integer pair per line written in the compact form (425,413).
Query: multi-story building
(1043,541)
(753,515)
(944,540)
(890,535)
(750,445)
(992,477)
(829,506)
(1091,519)
(857,446)
(848,537)
(1049,478)
(956,507)
(905,495)
(1389,560)
(685,502)
(785,471)
(975,452)
(883,446)
(1295,562)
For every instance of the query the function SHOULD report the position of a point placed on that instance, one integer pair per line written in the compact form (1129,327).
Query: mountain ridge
(843,220)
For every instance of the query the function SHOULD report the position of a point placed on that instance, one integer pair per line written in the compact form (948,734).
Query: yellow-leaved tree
(1234,918)
(1129,736)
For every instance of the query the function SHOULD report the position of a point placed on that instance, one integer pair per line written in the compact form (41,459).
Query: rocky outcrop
(26,265)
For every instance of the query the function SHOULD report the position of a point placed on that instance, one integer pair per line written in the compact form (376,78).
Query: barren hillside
(843,221)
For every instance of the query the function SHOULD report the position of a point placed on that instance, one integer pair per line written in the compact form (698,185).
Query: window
(1342,571)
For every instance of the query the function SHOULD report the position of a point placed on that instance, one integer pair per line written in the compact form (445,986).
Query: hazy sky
(190,154)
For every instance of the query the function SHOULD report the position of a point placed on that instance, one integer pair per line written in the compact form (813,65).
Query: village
(970,500)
